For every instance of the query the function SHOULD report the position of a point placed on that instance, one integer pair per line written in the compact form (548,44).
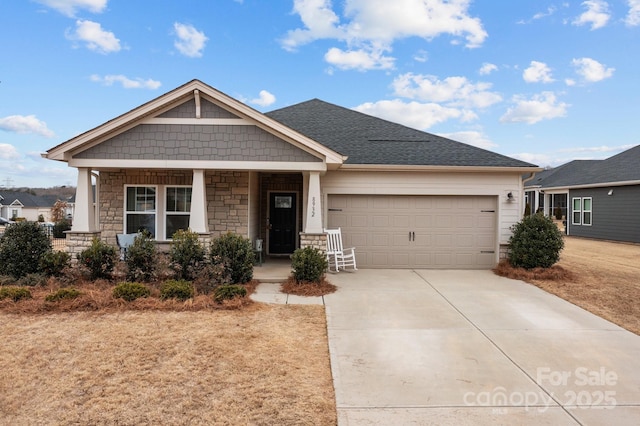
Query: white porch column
(84,215)
(313,223)
(198,219)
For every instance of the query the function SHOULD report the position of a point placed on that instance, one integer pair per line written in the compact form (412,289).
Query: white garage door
(392,231)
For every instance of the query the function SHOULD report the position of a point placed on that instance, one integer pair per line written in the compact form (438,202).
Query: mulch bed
(554,273)
(307,288)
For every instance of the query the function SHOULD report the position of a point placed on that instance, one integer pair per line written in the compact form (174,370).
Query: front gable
(194,126)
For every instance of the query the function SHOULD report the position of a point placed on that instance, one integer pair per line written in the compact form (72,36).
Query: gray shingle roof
(370,140)
(623,167)
(28,200)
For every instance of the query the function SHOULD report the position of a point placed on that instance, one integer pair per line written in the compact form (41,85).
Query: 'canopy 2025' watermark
(587,388)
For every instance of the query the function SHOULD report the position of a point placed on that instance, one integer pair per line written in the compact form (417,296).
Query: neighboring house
(14,204)
(601,197)
(197,158)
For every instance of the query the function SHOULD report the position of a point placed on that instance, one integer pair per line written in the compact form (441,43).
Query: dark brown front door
(282,222)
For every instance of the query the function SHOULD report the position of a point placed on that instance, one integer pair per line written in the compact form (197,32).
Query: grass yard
(261,365)
(602,277)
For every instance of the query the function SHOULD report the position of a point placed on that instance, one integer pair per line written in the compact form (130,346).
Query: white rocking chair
(337,255)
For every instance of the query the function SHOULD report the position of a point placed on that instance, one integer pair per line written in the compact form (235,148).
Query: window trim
(584,210)
(574,211)
(127,212)
(160,212)
(166,211)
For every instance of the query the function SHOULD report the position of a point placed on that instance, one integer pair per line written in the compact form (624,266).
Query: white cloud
(453,91)
(633,16)
(8,152)
(70,7)
(538,72)
(25,124)
(371,27)
(421,56)
(265,99)
(601,148)
(569,82)
(360,60)
(127,83)
(597,14)
(543,160)
(190,41)
(471,138)
(543,106)
(414,114)
(487,68)
(591,70)
(95,38)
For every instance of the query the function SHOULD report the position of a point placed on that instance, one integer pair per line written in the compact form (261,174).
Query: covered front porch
(281,208)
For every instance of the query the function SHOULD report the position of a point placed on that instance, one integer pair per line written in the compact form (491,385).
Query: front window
(141,209)
(576,211)
(586,211)
(178,208)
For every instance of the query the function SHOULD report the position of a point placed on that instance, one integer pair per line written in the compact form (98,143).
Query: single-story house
(197,158)
(17,204)
(601,197)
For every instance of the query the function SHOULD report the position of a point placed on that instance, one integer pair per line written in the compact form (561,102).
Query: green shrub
(21,247)
(536,243)
(52,263)
(62,294)
(308,265)
(14,293)
(130,291)
(40,218)
(60,227)
(236,253)
(32,280)
(228,292)
(176,289)
(186,254)
(99,258)
(141,258)
(557,212)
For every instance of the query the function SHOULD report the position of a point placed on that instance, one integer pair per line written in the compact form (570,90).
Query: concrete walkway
(468,347)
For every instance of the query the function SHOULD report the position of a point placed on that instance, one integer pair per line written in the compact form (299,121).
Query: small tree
(58,211)
(536,243)
(21,247)
(186,254)
(557,212)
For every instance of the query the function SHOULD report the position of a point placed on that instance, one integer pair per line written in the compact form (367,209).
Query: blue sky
(545,82)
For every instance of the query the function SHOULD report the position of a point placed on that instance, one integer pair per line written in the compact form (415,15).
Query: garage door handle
(412,236)
(335,210)
(487,251)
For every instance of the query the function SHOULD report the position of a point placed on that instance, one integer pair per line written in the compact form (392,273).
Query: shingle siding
(197,142)
(614,217)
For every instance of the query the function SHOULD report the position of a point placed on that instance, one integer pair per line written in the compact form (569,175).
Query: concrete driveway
(468,347)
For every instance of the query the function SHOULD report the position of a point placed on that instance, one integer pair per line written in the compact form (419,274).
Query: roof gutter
(594,185)
(428,168)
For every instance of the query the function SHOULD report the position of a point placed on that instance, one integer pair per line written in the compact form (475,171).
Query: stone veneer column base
(318,241)
(78,241)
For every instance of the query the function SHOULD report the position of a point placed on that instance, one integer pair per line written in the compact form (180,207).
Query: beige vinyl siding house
(197,158)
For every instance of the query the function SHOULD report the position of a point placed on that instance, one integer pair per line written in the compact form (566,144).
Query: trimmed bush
(99,258)
(130,291)
(53,263)
(228,292)
(536,243)
(66,293)
(176,289)
(186,254)
(236,253)
(14,293)
(60,227)
(21,247)
(308,265)
(210,276)
(141,258)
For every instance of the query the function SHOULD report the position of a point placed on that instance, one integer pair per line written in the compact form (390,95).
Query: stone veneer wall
(318,241)
(227,197)
(78,241)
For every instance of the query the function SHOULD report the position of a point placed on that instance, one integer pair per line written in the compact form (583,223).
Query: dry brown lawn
(602,277)
(259,365)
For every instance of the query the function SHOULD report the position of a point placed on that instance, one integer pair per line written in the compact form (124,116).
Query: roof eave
(433,168)
(592,185)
